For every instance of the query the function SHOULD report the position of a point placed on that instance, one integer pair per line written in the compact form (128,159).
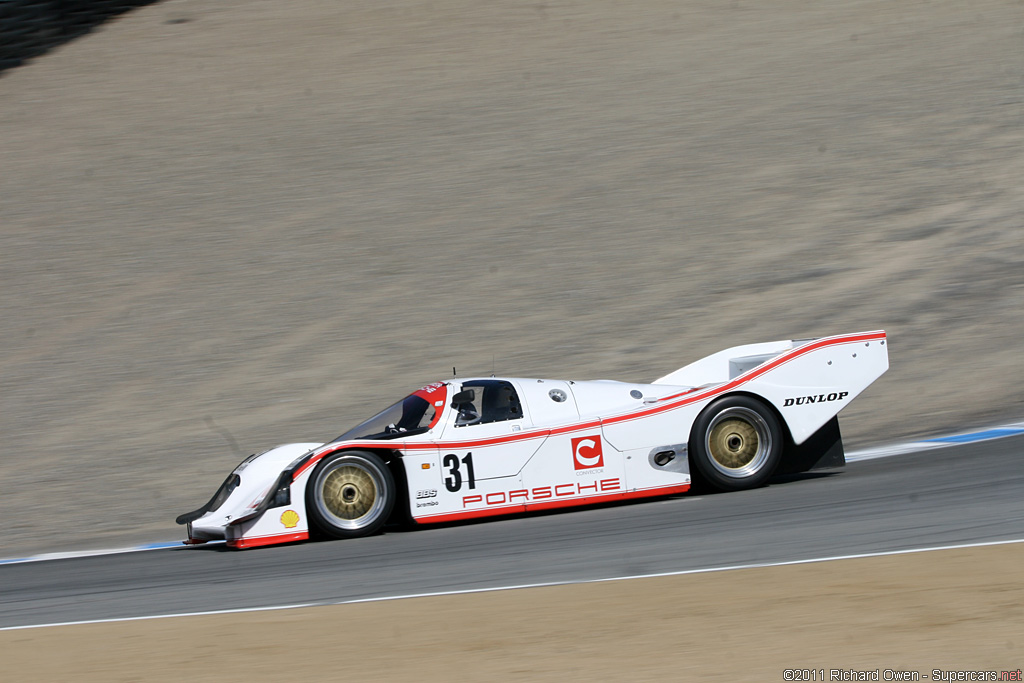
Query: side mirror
(463,398)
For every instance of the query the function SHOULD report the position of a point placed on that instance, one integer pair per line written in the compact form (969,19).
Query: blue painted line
(160,546)
(14,560)
(978,436)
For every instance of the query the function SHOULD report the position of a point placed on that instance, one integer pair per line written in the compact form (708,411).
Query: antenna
(492,365)
(454,374)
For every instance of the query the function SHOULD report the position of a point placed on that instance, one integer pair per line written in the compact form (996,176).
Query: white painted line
(891,450)
(164,616)
(74,554)
(495,589)
(685,572)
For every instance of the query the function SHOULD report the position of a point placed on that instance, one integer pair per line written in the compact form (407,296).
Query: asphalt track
(962,494)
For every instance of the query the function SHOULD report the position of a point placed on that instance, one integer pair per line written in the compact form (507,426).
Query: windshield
(414,414)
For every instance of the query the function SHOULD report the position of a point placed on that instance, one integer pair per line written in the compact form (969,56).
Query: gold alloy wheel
(739,442)
(349,492)
(733,443)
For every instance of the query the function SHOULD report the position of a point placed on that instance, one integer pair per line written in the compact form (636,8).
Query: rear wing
(807,380)
(728,364)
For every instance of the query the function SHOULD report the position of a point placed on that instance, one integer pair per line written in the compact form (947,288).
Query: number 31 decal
(453,482)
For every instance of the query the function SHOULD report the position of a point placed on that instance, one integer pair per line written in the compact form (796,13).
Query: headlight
(276,495)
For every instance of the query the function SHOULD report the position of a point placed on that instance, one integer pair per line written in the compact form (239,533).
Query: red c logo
(587,452)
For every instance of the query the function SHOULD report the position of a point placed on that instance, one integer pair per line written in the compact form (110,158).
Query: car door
(486,442)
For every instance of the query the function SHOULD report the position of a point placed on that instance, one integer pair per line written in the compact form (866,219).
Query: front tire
(736,443)
(350,494)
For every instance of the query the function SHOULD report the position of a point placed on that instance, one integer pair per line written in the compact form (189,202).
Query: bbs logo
(587,452)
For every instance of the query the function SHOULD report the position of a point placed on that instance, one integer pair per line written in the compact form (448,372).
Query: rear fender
(811,387)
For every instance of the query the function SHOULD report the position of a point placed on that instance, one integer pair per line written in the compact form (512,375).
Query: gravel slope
(228,226)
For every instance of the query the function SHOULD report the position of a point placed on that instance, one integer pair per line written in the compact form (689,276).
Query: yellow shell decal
(290,518)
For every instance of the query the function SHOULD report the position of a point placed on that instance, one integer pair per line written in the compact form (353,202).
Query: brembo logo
(820,398)
(587,452)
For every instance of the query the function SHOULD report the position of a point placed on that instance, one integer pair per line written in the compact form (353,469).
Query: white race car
(486,446)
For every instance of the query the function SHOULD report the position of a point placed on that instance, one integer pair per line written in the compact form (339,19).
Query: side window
(493,401)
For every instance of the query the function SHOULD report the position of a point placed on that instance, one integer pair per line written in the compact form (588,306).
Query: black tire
(736,444)
(350,494)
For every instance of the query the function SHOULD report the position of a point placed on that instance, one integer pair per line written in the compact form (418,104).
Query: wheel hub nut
(348,493)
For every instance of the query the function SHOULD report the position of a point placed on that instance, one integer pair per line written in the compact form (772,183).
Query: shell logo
(290,519)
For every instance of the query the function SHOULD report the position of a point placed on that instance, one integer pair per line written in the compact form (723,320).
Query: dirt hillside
(225,226)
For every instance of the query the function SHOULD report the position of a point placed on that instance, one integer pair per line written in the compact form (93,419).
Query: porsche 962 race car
(477,447)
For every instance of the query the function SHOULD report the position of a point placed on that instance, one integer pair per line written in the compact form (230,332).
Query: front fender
(243,492)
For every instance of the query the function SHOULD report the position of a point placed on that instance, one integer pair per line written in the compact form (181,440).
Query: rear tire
(350,494)
(736,444)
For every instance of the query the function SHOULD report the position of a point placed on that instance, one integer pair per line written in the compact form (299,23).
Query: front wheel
(350,494)
(736,443)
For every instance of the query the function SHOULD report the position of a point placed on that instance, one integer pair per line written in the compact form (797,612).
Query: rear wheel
(736,443)
(350,494)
